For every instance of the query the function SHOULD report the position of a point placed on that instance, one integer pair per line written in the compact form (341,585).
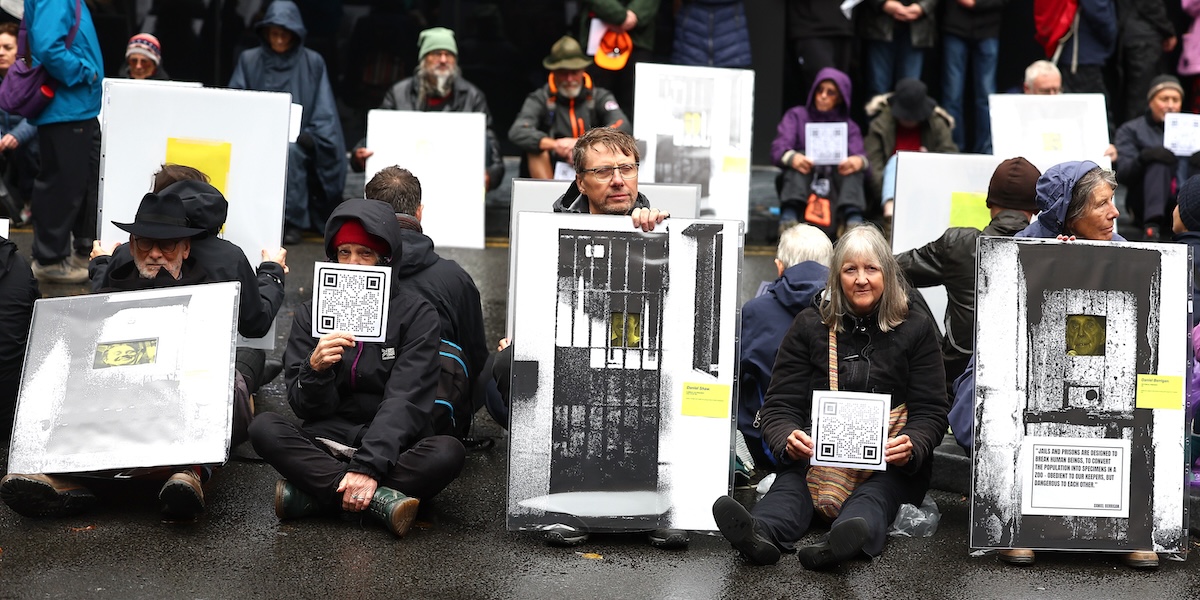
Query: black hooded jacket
(222,260)
(380,396)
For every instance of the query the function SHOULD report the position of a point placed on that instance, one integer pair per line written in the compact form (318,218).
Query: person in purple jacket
(802,181)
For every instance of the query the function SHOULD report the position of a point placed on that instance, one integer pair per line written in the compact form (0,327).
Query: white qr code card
(352,299)
(850,429)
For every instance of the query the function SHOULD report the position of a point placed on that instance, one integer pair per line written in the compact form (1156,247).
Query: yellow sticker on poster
(1159,391)
(1052,141)
(211,157)
(735,164)
(710,400)
(969,209)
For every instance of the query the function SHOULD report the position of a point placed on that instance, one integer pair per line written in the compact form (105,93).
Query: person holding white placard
(1152,172)
(863,338)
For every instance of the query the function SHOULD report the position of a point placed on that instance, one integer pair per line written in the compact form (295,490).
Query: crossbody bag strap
(75,27)
(833,360)
(23,43)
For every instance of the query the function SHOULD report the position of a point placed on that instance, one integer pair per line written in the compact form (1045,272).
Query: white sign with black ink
(825,143)
(351,299)
(1086,477)
(850,429)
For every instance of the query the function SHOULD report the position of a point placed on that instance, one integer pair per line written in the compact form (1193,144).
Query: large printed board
(1048,130)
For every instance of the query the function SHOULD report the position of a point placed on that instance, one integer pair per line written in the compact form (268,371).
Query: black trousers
(1156,193)
(65,191)
(421,471)
(786,512)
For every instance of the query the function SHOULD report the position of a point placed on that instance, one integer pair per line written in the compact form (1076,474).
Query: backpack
(453,409)
(1052,21)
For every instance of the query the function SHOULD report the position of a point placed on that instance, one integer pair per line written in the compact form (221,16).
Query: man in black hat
(906,119)
(160,241)
(555,115)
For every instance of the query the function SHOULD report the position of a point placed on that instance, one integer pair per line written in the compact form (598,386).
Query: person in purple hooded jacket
(841,184)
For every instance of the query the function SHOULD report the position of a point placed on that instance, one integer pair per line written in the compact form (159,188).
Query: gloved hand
(1157,154)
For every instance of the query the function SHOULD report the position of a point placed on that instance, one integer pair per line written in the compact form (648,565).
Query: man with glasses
(606,170)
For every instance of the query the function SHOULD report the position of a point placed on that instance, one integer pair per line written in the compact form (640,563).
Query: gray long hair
(865,242)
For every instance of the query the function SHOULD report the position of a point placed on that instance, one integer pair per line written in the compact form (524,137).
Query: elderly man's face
(151,256)
(1165,101)
(569,82)
(140,67)
(440,62)
(608,193)
(119,355)
(1046,84)
(1085,335)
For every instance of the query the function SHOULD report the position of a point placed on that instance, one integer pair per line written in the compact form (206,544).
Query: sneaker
(394,509)
(60,272)
(78,260)
(1016,556)
(292,503)
(41,495)
(669,539)
(564,535)
(1141,559)
(845,540)
(182,496)
(738,527)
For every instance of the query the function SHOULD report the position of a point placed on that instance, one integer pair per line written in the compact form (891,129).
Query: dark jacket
(1053,195)
(18,291)
(379,398)
(466,98)
(448,288)
(950,261)
(301,73)
(572,201)
(546,114)
(1143,20)
(1097,37)
(874,24)
(905,363)
(1132,137)
(1192,238)
(711,33)
(765,319)
(790,133)
(880,142)
(979,23)
(816,18)
(262,290)
(125,278)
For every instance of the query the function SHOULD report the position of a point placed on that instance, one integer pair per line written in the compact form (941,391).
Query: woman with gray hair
(863,338)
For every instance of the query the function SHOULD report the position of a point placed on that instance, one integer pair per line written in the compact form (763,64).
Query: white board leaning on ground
(624,357)
(238,138)
(447,152)
(933,193)
(1048,130)
(696,125)
(127,380)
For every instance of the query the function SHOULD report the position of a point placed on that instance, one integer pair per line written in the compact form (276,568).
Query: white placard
(825,143)
(696,124)
(1181,133)
(4,228)
(296,122)
(1048,130)
(352,299)
(850,429)
(563,171)
(437,147)
(142,82)
(596,31)
(1075,477)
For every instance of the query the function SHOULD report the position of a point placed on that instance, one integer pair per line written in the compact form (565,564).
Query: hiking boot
(293,503)
(669,539)
(1016,556)
(39,495)
(564,535)
(738,527)
(1141,559)
(396,510)
(182,496)
(845,540)
(60,272)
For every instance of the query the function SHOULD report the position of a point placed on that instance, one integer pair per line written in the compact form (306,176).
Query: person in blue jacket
(65,191)
(283,64)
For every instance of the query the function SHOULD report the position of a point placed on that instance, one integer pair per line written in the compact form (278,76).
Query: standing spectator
(632,17)
(897,33)
(282,64)
(65,191)
(819,35)
(1144,34)
(906,119)
(18,142)
(1082,55)
(143,59)
(712,33)
(1151,172)
(971,28)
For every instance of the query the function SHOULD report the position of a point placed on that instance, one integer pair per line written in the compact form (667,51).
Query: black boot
(738,527)
(845,540)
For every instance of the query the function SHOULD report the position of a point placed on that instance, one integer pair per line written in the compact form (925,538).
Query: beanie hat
(145,45)
(1163,82)
(1189,203)
(353,232)
(437,38)
(1014,185)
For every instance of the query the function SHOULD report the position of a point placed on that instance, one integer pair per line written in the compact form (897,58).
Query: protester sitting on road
(372,401)
(18,291)
(880,345)
(143,59)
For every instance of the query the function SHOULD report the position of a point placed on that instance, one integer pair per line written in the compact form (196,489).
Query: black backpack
(453,408)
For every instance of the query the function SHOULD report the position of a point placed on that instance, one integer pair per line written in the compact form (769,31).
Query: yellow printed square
(211,157)
(711,400)
(969,209)
(1052,141)
(1159,391)
(735,164)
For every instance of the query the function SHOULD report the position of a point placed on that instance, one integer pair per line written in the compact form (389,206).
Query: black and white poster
(127,380)
(351,299)
(623,372)
(1082,354)
(850,429)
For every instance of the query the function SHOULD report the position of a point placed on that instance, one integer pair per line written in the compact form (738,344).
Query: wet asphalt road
(461,549)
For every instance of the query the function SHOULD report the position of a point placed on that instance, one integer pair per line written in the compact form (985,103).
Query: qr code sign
(848,430)
(350,300)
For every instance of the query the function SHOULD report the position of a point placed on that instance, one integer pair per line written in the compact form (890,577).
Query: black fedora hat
(160,217)
(910,102)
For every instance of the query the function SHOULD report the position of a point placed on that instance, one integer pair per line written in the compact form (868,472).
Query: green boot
(396,510)
(292,503)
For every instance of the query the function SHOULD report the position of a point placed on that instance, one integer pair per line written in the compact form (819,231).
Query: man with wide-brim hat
(906,119)
(160,241)
(558,113)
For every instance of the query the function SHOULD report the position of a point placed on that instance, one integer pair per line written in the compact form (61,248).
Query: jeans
(888,62)
(984,54)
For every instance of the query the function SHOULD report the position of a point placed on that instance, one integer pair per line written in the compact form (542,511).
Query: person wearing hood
(282,64)
(1146,167)
(802,261)
(801,180)
(905,120)
(372,401)
(438,86)
(950,260)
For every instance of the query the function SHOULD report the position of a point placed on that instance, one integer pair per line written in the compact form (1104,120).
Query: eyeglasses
(604,174)
(827,91)
(148,244)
